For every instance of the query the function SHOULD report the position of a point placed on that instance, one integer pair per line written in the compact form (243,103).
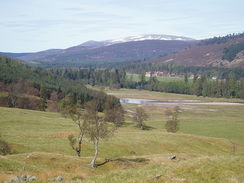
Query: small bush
(4,148)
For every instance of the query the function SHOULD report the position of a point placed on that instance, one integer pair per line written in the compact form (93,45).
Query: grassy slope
(204,120)
(212,121)
(221,169)
(33,131)
(46,134)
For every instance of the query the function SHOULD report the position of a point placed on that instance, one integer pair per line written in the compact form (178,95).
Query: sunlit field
(205,142)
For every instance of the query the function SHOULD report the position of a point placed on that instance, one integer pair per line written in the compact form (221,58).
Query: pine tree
(43,98)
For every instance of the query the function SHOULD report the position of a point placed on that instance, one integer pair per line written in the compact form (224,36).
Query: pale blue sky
(34,25)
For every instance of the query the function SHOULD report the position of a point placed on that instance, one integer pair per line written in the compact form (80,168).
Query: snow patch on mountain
(149,37)
(136,38)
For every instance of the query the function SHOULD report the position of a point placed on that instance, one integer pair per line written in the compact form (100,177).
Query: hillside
(129,51)
(21,86)
(203,148)
(211,52)
(13,70)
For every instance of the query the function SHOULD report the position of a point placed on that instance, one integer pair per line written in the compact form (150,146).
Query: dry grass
(46,165)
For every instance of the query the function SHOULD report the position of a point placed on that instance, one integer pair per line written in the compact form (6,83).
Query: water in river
(140,101)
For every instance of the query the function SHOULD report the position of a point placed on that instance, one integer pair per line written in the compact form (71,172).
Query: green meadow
(203,145)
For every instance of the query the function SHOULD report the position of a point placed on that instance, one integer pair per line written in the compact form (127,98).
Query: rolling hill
(203,148)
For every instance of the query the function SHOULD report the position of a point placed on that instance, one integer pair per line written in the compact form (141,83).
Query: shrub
(4,148)
(172,124)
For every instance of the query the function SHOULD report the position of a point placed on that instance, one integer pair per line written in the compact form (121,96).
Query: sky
(35,25)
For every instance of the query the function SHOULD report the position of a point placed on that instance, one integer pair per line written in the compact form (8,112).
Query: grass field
(203,147)
(136,77)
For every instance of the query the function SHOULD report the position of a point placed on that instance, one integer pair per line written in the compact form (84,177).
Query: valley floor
(203,146)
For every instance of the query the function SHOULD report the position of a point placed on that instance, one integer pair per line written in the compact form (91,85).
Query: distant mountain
(39,55)
(126,49)
(227,51)
(14,54)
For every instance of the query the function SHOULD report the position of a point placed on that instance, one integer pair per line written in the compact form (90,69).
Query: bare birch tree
(96,128)
(74,112)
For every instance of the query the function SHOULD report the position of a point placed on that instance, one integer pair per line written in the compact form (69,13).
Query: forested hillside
(231,51)
(18,80)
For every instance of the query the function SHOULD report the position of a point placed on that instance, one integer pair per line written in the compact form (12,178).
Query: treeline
(18,80)
(201,85)
(114,78)
(220,40)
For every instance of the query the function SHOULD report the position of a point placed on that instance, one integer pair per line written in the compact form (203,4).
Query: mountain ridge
(128,49)
(149,48)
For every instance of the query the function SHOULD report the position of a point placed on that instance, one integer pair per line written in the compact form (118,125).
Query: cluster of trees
(200,86)
(21,94)
(171,125)
(93,77)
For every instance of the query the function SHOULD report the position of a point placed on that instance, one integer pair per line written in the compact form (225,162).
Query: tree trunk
(142,126)
(78,149)
(93,161)
(12,100)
